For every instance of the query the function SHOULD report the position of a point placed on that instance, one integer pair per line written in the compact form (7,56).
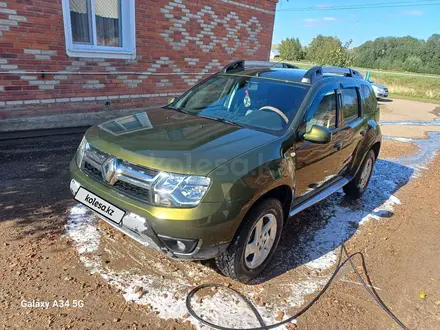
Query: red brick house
(61,61)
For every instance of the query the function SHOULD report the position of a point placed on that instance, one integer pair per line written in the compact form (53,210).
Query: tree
(412,64)
(325,50)
(403,53)
(431,54)
(291,49)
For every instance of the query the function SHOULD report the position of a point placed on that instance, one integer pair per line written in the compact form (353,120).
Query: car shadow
(34,189)
(385,100)
(310,237)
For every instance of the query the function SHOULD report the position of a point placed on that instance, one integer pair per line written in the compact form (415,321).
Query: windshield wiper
(223,120)
(176,108)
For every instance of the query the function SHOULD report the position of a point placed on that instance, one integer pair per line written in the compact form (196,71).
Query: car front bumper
(213,225)
(379,95)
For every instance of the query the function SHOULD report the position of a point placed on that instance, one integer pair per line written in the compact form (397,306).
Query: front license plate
(99,205)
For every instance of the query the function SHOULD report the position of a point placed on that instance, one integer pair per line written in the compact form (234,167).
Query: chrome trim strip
(319,197)
(91,162)
(97,155)
(126,171)
(134,182)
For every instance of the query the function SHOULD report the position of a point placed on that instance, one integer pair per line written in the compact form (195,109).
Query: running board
(319,197)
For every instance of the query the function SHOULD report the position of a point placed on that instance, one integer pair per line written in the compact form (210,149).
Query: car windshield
(253,102)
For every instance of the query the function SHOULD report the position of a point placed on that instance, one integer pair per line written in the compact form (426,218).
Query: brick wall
(178,42)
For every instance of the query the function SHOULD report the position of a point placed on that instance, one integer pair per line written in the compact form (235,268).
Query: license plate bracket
(99,205)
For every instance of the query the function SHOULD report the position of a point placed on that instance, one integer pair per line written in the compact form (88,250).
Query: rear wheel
(255,242)
(360,182)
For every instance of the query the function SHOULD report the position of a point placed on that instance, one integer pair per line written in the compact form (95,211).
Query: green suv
(218,171)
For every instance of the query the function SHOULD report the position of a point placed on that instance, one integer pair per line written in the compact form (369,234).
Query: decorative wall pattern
(173,69)
(178,43)
(241,33)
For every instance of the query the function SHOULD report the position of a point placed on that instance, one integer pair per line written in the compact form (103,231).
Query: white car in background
(379,90)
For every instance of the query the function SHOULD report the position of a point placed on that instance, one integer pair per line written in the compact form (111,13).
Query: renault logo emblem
(110,170)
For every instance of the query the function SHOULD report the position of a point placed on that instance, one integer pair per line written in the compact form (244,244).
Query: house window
(100,28)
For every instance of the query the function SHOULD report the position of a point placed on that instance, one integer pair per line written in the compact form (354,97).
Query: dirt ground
(395,149)
(416,132)
(54,252)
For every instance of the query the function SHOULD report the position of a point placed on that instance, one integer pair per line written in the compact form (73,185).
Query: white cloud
(320,21)
(414,13)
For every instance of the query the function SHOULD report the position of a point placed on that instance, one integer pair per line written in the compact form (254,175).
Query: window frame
(341,105)
(315,104)
(128,35)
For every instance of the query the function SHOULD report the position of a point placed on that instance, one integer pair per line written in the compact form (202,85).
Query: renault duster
(218,171)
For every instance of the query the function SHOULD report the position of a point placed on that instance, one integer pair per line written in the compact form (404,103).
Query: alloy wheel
(260,241)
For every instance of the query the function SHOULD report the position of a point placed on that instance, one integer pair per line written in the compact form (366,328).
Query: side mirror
(318,134)
(171,100)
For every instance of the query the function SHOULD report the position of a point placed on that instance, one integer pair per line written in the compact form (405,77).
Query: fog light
(179,245)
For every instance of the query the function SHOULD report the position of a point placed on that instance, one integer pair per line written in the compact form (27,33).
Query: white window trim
(128,49)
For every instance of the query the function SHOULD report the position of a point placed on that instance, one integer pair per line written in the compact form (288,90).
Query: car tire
(357,186)
(237,262)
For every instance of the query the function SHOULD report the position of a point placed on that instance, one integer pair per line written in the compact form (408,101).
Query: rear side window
(350,104)
(368,98)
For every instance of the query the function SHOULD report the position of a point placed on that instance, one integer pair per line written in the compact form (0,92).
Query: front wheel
(255,242)
(356,187)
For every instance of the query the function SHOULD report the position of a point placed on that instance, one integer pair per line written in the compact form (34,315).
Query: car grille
(133,191)
(91,166)
(92,171)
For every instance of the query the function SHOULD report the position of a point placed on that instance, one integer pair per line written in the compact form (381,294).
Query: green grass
(410,87)
(419,87)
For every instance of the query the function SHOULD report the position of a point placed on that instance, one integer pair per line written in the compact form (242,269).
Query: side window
(325,114)
(350,104)
(368,98)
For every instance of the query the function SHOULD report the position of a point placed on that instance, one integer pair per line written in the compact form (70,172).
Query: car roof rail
(233,66)
(318,72)
(251,64)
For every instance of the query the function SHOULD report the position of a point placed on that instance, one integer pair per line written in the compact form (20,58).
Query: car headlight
(80,152)
(180,190)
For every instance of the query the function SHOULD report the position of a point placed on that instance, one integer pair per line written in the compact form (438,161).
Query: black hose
(263,326)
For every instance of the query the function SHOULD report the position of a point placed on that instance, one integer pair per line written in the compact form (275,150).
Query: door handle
(338,146)
(363,132)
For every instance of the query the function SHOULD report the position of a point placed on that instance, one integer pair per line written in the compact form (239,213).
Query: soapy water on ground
(301,265)
(435,122)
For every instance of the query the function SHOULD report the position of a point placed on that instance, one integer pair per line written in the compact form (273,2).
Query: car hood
(377,85)
(172,141)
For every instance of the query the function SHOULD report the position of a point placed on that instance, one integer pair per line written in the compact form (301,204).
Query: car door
(316,164)
(352,126)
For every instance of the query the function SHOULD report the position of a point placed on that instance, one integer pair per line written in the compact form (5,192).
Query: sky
(419,19)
